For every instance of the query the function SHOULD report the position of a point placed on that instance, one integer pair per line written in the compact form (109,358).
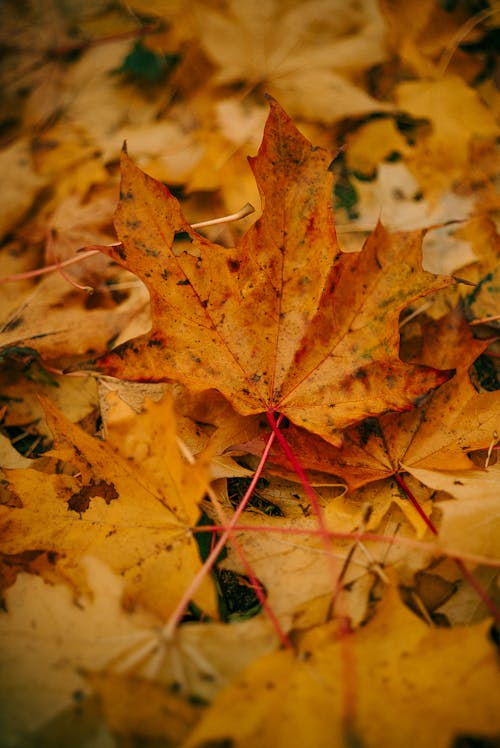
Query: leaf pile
(249,487)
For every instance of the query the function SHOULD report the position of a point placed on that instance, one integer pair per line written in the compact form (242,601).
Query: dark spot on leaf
(233,265)
(184,282)
(165,274)
(126,195)
(457,483)
(368,428)
(120,250)
(80,501)
(154,342)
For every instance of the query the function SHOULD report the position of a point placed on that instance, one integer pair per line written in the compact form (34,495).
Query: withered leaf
(449,423)
(136,523)
(286,699)
(284,321)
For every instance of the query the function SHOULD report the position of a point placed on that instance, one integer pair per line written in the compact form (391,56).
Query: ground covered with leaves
(250,493)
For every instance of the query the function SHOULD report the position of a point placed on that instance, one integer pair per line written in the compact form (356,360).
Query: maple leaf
(458,116)
(452,421)
(53,639)
(285,321)
(72,642)
(135,524)
(53,319)
(286,699)
(303,52)
(472,521)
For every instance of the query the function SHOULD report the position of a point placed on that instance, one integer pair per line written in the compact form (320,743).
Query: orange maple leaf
(449,423)
(284,322)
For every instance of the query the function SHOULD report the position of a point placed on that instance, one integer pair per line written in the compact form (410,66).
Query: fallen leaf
(125,431)
(75,396)
(472,521)
(427,37)
(139,526)
(22,186)
(395,198)
(450,422)
(54,319)
(302,53)
(328,693)
(457,115)
(162,714)
(372,143)
(320,328)
(91,645)
(49,639)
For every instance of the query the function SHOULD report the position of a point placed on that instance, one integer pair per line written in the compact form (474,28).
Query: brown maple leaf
(284,322)
(449,423)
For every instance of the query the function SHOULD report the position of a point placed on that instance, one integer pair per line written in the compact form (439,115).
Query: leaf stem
(256,585)
(310,493)
(407,491)
(169,628)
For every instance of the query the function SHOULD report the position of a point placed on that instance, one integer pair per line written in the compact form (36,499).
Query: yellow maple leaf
(383,692)
(137,525)
(303,53)
(457,115)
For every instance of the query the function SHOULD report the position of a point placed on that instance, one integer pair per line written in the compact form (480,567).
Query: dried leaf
(452,421)
(301,699)
(137,525)
(303,52)
(283,322)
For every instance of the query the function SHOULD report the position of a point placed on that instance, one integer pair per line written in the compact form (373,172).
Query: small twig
(245,211)
(459,37)
(485,320)
(464,281)
(420,310)
(490,449)
(92,250)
